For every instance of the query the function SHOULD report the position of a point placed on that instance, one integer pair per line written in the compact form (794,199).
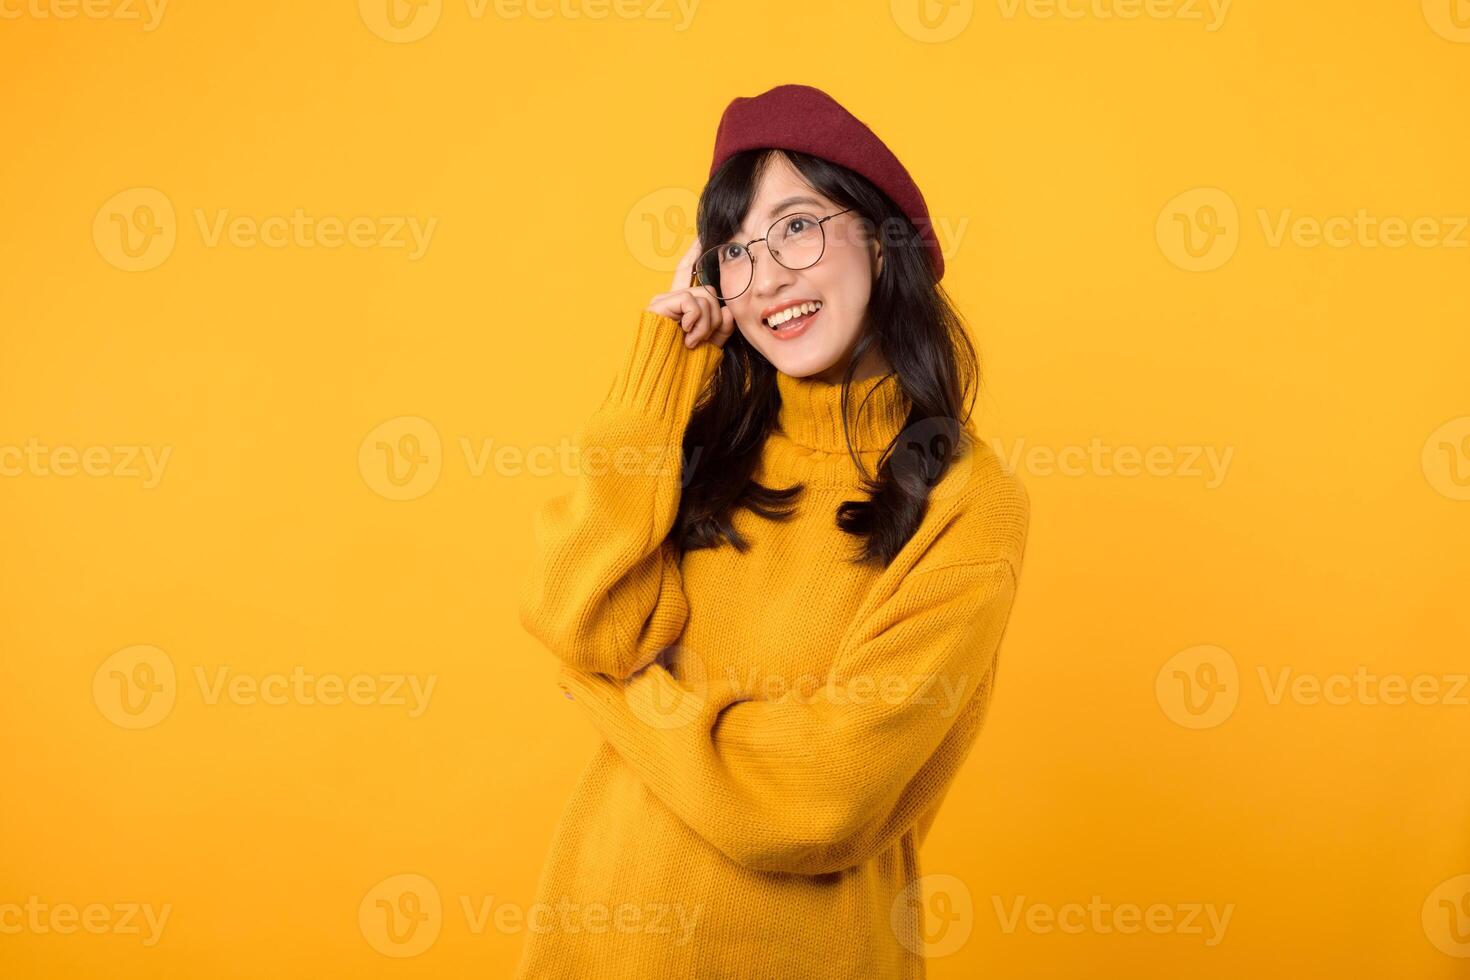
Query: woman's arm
(604,591)
(814,785)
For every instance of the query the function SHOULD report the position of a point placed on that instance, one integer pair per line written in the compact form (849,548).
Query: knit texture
(778,726)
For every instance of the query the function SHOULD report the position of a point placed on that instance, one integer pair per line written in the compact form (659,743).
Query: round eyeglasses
(796,240)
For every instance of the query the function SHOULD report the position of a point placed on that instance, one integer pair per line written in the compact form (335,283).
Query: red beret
(806,119)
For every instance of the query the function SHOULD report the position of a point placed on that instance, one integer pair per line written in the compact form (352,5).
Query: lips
(795,327)
(788,313)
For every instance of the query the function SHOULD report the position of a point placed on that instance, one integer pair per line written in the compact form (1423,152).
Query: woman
(780,585)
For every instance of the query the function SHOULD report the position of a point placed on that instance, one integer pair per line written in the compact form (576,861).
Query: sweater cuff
(659,376)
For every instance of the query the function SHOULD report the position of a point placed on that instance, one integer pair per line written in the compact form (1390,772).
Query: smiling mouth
(793,316)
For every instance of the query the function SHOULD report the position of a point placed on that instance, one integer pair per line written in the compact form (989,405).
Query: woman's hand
(696,308)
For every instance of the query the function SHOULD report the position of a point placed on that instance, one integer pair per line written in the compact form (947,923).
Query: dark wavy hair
(910,320)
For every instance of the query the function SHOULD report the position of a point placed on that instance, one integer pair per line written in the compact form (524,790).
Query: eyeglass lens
(795,240)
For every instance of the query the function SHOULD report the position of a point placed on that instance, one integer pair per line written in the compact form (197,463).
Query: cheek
(747,319)
(846,288)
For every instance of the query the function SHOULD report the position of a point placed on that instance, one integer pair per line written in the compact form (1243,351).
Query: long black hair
(912,323)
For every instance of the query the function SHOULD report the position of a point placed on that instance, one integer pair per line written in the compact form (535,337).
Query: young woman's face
(841,281)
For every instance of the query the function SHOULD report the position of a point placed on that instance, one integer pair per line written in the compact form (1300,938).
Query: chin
(802,364)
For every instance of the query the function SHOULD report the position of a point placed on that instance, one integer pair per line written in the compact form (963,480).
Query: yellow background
(1064,157)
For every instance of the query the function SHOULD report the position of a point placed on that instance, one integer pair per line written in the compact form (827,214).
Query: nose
(769,274)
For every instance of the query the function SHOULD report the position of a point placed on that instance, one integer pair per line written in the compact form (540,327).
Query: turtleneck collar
(811,412)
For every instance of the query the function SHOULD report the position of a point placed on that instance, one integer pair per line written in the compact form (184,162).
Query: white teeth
(800,309)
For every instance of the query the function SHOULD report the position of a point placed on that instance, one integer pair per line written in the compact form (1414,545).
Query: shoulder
(978,511)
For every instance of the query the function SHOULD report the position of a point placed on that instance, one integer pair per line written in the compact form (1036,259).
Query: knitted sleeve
(604,591)
(817,783)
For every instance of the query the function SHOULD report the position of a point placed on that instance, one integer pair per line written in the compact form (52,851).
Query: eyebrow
(780,207)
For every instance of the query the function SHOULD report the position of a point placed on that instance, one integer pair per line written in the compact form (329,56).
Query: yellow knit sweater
(780,725)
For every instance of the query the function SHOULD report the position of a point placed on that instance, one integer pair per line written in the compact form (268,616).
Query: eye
(732,252)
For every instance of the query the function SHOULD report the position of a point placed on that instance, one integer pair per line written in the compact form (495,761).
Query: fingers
(685,269)
(726,328)
(698,313)
(699,322)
